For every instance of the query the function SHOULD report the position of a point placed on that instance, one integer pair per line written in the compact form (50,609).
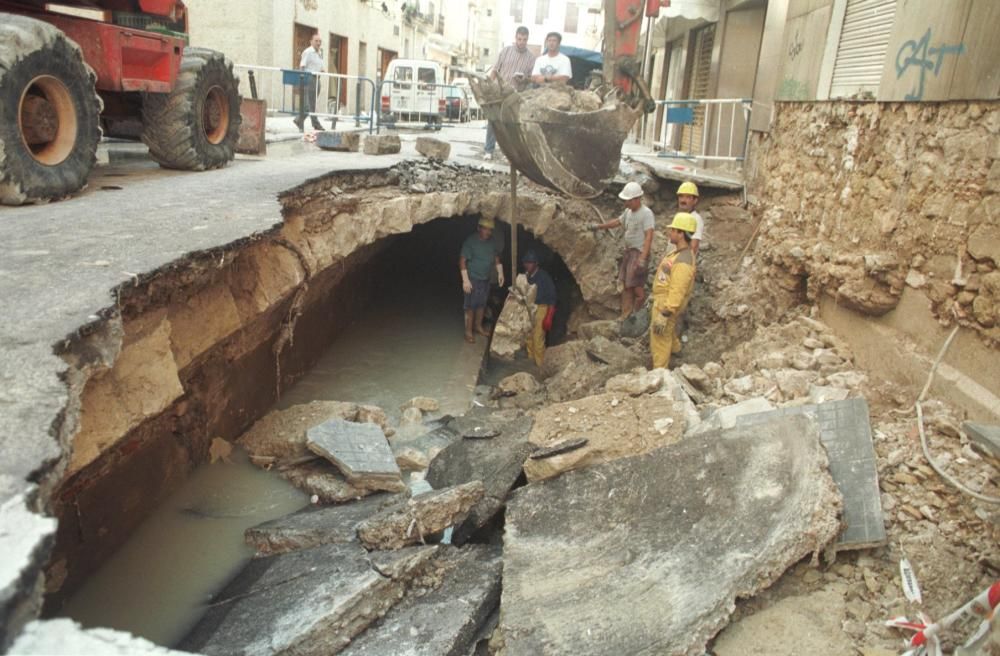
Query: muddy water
(158,583)
(156,586)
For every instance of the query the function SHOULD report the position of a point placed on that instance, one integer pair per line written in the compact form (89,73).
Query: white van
(413,91)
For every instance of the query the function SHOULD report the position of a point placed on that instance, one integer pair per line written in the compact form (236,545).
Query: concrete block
(987,437)
(845,430)
(433,148)
(648,554)
(382,144)
(410,521)
(359,450)
(342,141)
(446,620)
(312,601)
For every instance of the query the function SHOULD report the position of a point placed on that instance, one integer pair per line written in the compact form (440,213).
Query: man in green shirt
(479,253)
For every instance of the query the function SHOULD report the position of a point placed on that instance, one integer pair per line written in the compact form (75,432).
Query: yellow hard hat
(486,223)
(689,188)
(684,221)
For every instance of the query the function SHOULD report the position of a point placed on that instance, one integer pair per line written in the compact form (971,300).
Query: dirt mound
(562,97)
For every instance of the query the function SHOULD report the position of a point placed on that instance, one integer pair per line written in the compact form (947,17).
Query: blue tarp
(590,56)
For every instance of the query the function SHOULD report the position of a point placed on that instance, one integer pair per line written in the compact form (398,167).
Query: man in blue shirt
(545,306)
(479,253)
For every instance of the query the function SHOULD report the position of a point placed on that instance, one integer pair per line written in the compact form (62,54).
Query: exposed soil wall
(861,201)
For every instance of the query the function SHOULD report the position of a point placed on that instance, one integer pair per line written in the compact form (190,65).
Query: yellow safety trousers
(672,287)
(535,344)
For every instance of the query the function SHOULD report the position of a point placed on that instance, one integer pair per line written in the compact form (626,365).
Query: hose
(923,436)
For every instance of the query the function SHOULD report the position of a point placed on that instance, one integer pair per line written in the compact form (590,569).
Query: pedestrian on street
(479,254)
(687,201)
(553,66)
(639,223)
(672,286)
(311,61)
(545,306)
(514,68)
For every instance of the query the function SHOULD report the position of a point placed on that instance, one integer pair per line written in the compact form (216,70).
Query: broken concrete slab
(410,521)
(648,554)
(496,462)
(578,379)
(443,622)
(985,436)
(382,144)
(433,148)
(635,384)
(64,636)
(615,426)
(360,451)
(561,356)
(321,479)
(607,328)
(845,429)
(613,354)
(348,142)
(308,602)
(316,525)
(516,320)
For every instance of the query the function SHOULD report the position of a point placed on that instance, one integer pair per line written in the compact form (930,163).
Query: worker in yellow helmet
(687,200)
(672,286)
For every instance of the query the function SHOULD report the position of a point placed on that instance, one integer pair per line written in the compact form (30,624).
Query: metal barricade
(414,102)
(285,90)
(723,124)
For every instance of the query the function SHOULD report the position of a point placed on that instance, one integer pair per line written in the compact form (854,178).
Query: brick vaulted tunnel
(204,347)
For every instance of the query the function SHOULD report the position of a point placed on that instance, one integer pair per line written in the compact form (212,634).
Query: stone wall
(859,200)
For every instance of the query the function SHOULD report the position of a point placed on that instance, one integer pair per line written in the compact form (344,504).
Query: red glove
(547,321)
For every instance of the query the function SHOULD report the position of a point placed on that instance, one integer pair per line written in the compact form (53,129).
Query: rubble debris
(636,324)
(411,459)
(556,448)
(64,636)
(613,354)
(648,554)
(520,383)
(616,427)
(433,149)
(728,416)
(348,142)
(561,356)
(607,328)
(985,436)
(315,525)
(635,384)
(360,451)
(515,322)
(480,433)
(382,144)
(422,403)
(262,611)
(801,624)
(220,449)
(410,521)
(321,479)
(845,429)
(496,462)
(446,620)
(562,97)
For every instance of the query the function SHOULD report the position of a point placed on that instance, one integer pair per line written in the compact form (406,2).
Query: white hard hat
(631,190)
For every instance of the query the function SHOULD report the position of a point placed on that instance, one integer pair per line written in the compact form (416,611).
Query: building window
(486,52)
(517,10)
(440,25)
(489,12)
(541,11)
(572,18)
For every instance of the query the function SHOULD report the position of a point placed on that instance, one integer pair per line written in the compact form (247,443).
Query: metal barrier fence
(709,125)
(286,89)
(421,102)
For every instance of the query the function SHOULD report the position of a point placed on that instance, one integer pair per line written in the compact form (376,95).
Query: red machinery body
(627,26)
(124,58)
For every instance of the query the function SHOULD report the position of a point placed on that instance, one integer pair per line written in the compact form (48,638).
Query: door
(700,72)
(384,57)
(337,63)
(363,89)
(427,91)
(301,36)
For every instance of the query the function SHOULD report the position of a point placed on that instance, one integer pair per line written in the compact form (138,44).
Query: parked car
(457,107)
(413,91)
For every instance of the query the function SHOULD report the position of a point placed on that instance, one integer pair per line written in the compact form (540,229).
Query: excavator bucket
(576,153)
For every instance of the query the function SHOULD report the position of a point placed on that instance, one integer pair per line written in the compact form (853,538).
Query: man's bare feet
(470,338)
(482,331)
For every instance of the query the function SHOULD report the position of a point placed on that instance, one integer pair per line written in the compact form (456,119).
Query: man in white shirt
(311,61)
(553,66)
(639,225)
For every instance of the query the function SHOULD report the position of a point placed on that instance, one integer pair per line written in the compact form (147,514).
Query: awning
(693,9)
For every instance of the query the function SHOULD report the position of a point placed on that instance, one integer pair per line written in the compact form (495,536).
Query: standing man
(311,61)
(553,66)
(479,254)
(672,286)
(639,223)
(545,306)
(513,67)
(687,200)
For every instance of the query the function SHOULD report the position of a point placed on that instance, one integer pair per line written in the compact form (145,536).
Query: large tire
(49,113)
(195,126)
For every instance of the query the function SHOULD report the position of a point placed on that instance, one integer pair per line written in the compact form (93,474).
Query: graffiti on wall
(928,59)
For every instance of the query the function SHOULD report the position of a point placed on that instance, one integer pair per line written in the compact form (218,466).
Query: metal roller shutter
(700,72)
(864,39)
